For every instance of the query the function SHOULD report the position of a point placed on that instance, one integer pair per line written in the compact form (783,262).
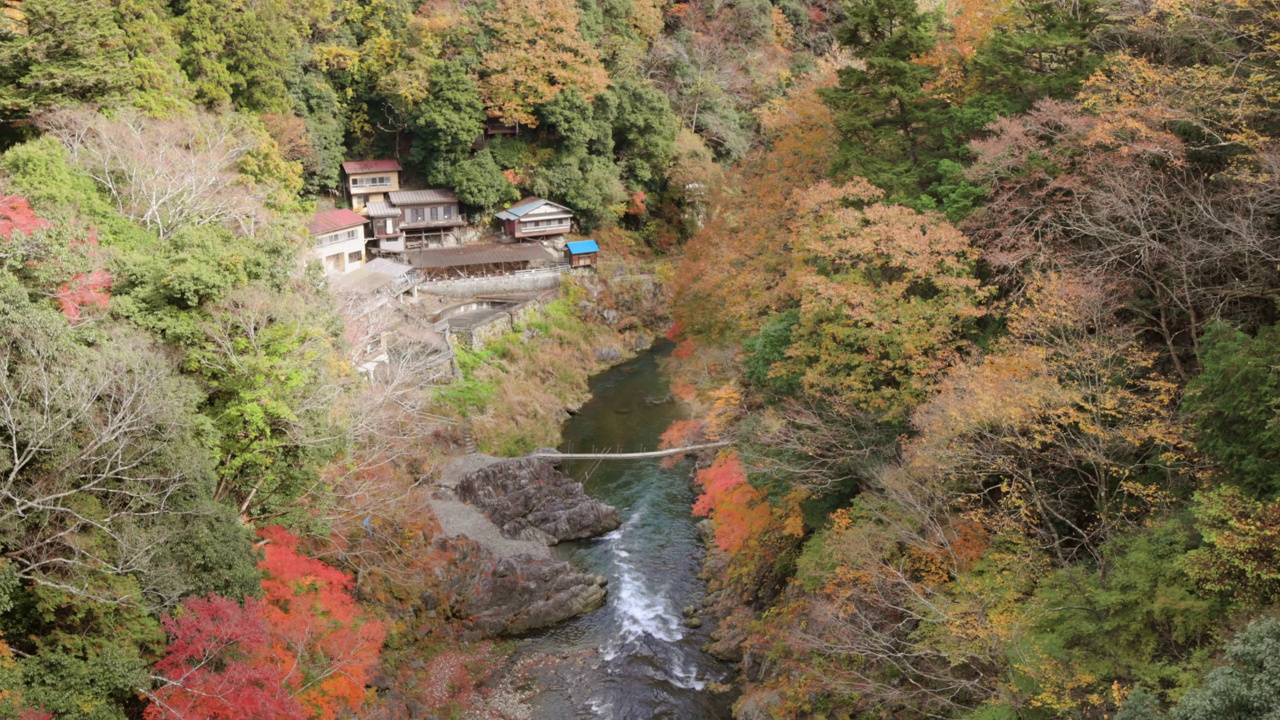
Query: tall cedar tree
(55,52)
(883,106)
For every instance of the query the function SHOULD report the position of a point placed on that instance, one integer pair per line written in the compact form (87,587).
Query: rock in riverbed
(512,595)
(529,498)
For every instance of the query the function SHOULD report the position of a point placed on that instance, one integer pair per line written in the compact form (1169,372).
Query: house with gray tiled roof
(536,217)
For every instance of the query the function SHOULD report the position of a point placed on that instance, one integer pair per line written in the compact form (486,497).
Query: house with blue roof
(535,217)
(582,253)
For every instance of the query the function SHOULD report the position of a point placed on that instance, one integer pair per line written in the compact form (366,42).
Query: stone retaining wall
(479,336)
(497,285)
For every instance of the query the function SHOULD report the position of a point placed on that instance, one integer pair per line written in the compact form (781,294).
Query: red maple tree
(738,509)
(317,631)
(218,666)
(72,272)
(16,215)
(304,651)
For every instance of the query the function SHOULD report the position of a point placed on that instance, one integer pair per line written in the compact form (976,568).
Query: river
(633,659)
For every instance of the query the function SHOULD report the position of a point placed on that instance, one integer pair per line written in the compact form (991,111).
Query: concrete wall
(477,337)
(497,285)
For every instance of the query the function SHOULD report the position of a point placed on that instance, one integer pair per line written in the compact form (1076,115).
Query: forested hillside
(984,293)
(991,314)
(205,510)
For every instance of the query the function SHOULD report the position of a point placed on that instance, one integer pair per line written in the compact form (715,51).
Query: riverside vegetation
(992,315)
(984,291)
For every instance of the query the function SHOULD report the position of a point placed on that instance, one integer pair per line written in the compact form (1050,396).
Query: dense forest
(992,314)
(984,294)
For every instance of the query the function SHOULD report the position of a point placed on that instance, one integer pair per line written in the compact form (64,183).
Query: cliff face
(528,498)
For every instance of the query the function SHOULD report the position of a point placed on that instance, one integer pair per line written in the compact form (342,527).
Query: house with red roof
(370,180)
(338,240)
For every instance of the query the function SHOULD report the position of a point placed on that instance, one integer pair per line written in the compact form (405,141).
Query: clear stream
(633,659)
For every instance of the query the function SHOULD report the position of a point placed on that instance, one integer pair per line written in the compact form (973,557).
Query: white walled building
(339,240)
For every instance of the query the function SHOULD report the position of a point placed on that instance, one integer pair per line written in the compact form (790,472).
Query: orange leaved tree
(304,651)
(318,633)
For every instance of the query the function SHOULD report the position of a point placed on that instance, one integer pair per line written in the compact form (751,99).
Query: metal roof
(332,220)
(380,210)
(356,167)
(527,205)
(422,197)
(477,255)
(582,247)
(387,266)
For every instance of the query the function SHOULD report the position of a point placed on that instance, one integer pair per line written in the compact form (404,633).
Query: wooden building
(471,261)
(582,253)
(370,180)
(535,217)
(411,219)
(338,240)
(428,212)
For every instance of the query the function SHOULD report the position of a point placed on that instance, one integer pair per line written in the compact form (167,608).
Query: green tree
(56,52)
(239,52)
(1136,618)
(324,116)
(267,360)
(446,121)
(151,37)
(765,350)
(83,658)
(1234,404)
(480,183)
(884,107)
(1248,686)
(644,133)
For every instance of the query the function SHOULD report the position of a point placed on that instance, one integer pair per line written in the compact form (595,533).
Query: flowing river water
(635,658)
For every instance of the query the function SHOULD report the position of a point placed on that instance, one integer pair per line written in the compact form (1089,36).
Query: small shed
(582,253)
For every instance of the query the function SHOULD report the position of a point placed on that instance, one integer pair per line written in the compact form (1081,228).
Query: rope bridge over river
(629,456)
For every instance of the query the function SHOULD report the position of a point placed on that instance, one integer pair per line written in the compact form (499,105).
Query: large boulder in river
(529,498)
(514,594)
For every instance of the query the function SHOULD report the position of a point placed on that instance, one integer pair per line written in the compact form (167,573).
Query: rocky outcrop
(510,595)
(528,498)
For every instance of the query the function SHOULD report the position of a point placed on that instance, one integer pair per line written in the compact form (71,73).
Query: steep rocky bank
(528,498)
(492,596)
(497,519)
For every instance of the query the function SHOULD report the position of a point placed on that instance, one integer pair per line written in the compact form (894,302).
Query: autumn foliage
(319,633)
(70,269)
(219,666)
(305,650)
(740,511)
(537,54)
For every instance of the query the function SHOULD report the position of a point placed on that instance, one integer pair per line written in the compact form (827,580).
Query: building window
(417,215)
(380,181)
(355,257)
(448,212)
(435,213)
